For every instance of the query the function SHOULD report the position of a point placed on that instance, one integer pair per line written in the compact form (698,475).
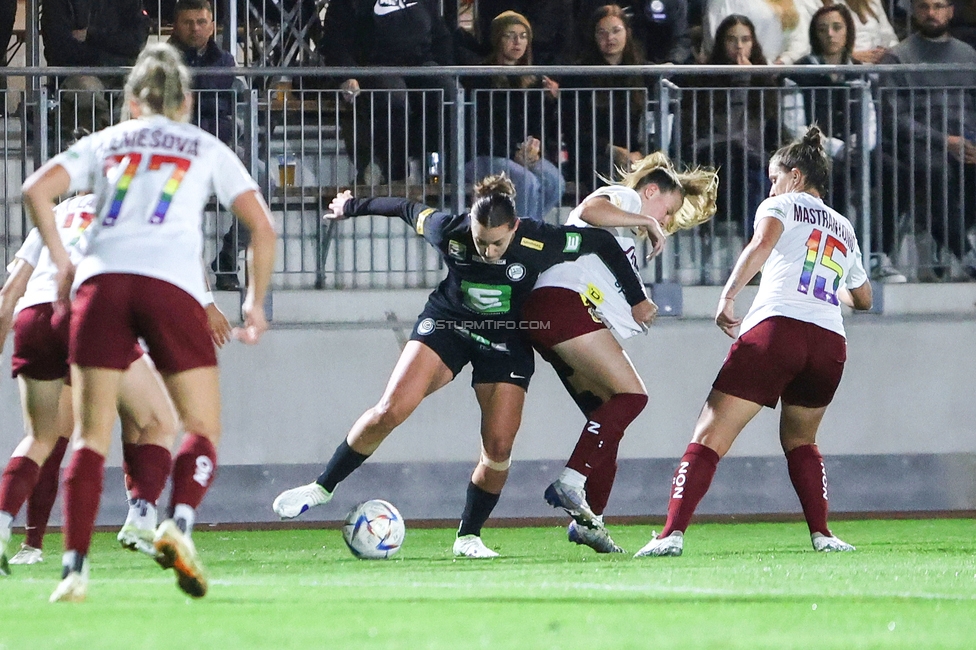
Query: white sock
(572,478)
(184,516)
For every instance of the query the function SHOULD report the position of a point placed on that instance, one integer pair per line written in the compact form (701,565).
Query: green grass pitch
(910,584)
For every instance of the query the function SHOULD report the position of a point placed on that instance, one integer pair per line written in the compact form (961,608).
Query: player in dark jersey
(493,260)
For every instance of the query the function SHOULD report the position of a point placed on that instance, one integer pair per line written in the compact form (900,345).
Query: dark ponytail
(809,156)
(494,201)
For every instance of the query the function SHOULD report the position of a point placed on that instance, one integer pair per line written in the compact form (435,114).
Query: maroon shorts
(41,343)
(111,311)
(555,315)
(782,357)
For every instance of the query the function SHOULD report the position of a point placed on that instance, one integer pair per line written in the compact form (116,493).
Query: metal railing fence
(428,133)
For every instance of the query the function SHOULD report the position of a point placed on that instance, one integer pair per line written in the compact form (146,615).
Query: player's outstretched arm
(251,209)
(752,258)
(600,212)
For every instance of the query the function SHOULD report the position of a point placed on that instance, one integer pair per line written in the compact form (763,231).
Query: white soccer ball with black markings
(373,530)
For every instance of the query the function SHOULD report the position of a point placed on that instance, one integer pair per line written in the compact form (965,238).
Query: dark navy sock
(344,462)
(477,507)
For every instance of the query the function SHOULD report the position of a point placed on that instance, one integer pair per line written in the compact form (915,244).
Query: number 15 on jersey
(817,259)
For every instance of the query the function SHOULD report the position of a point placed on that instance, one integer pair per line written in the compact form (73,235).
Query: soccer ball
(373,530)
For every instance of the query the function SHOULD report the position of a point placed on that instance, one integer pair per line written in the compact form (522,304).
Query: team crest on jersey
(515,272)
(573,242)
(457,250)
(534,244)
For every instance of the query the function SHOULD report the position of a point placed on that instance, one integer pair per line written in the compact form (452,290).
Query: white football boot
(672,545)
(291,503)
(27,555)
(829,544)
(472,546)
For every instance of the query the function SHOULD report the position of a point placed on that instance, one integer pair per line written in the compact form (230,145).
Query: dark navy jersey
(490,295)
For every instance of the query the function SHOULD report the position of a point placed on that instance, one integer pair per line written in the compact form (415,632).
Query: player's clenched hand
(655,235)
(725,317)
(220,330)
(255,323)
(644,313)
(337,207)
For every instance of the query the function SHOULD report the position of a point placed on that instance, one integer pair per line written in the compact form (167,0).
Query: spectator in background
(936,132)
(609,123)
(109,33)
(659,26)
(735,132)
(214,111)
(780,25)
(397,34)
(963,25)
(873,33)
(8,15)
(515,122)
(553,30)
(829,103)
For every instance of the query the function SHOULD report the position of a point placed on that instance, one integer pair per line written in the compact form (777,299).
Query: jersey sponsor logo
(680,478)
(487,298)
(425,327)
(573,242)
(421,218)
(534,244)
(593,294)
(384,7)
(457,250)
(515,272)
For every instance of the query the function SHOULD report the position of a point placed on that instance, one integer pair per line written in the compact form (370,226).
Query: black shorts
(509,362)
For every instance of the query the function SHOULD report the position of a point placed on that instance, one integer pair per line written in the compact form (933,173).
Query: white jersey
(72,217)
(591,278)
(153,177)
(816,254)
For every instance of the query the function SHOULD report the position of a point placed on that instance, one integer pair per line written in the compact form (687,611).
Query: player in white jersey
(140,278)
(792,345)
(40,365)
(582,303)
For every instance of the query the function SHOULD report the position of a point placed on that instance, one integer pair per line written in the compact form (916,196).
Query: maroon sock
(16,484)
(82,492)
(128,452)
(602,433)
(149,467)
(41,500)
(690,483)
(193,471)
(598,486)
(810,482)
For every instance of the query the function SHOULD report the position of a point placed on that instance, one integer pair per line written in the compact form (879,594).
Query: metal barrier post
(865,159)
(42,107)
(456,129)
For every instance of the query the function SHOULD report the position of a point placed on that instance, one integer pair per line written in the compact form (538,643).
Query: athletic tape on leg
(498,466)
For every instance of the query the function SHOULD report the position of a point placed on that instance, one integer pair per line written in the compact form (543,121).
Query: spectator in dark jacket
(553,29)
(214,110)
(392,33)
(660,26)
(93,32)
(8,14)
(515,122)
(934,146)
(193,30)
(608,111)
